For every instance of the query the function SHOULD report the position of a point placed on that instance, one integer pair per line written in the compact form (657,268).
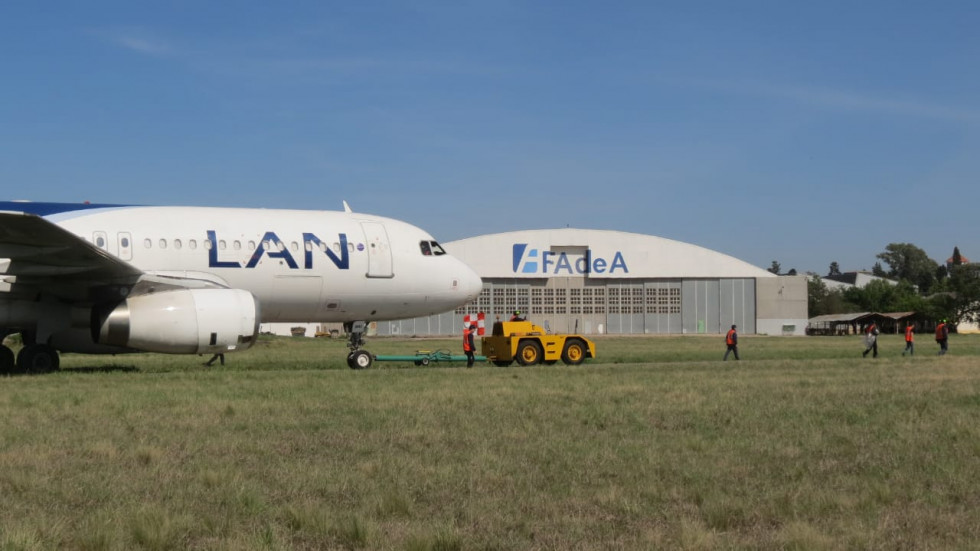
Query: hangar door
(713,305)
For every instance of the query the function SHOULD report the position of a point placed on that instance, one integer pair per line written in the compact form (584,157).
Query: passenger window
(163,243)
(237,245)
(147,243)
(192,243)
(178,244)
(222,245)
(124,242)
(208,244)
(100,242)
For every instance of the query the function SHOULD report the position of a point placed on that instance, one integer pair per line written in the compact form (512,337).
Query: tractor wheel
(529,352)
(574,352)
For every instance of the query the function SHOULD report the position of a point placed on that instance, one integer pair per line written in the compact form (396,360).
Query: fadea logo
(536,261)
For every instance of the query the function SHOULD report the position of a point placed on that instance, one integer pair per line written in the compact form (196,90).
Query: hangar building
(599,281)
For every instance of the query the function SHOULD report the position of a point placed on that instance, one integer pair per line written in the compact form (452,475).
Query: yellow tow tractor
(529,344)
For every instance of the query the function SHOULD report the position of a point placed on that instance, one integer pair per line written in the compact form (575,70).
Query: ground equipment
(529,344)
(425,357)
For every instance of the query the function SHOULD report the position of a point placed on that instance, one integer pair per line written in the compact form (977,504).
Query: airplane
(102,278)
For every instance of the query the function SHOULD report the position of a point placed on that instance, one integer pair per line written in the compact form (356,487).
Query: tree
(775,267)
(957,257)
(834,269)
(792,271)
(908,262)
(883,296)
(964,282)
(878,271)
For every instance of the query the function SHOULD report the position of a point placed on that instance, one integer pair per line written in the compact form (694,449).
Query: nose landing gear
(358,358)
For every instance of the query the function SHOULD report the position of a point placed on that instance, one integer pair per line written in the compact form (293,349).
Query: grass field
(657,444)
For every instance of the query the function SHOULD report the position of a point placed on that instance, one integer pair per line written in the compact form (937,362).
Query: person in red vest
(909,337)
(942,337)
(469,344)
(731,339)
(871,339)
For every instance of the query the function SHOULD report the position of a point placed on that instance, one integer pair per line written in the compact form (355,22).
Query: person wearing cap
(731,339)
(469,344)
(516,316)
(942,337)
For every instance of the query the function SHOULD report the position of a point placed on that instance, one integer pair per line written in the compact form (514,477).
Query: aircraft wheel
(360,359)
(574,352)
(529,352)
(38,358)
(7,363)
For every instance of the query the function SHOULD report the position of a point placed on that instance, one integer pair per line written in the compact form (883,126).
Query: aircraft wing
(38,256)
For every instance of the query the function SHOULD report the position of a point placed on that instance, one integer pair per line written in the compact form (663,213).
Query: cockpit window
(431,248)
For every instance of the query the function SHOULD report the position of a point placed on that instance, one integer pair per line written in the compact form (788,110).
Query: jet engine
(182,321)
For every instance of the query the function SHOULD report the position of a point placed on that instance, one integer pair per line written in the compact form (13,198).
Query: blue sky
(802,132)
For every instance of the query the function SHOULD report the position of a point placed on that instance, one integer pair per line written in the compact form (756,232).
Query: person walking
(871,340)
(469,344)
(218,356)
(731,339)
(909,337)
(942,337)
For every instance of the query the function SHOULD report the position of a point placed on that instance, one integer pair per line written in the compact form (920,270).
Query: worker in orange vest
(942,337)
(469,344)
(909,337)
(731,339)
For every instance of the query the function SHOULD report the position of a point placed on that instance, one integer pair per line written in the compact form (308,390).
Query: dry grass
(802,445)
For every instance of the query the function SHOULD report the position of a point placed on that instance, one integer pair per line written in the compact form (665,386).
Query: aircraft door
(125,242)
(379,250)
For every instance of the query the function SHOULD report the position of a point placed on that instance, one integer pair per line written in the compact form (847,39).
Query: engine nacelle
(183,321)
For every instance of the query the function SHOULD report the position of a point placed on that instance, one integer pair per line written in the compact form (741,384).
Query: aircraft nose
(470,283)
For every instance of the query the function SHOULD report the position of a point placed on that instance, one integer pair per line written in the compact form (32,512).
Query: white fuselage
(302,266)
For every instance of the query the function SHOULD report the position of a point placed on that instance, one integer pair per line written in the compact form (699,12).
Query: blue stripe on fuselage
(48,209)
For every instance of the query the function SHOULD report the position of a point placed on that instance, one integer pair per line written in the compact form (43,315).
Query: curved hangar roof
(595,253)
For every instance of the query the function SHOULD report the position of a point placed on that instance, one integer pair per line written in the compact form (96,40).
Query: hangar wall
(782,301)
(597,281)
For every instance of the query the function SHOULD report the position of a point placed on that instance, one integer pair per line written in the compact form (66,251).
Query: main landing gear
(358,358)
(33,358)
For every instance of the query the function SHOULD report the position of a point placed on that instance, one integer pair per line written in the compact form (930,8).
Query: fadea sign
(545,262)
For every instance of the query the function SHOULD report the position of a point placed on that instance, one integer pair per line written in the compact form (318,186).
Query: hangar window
(560,297)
